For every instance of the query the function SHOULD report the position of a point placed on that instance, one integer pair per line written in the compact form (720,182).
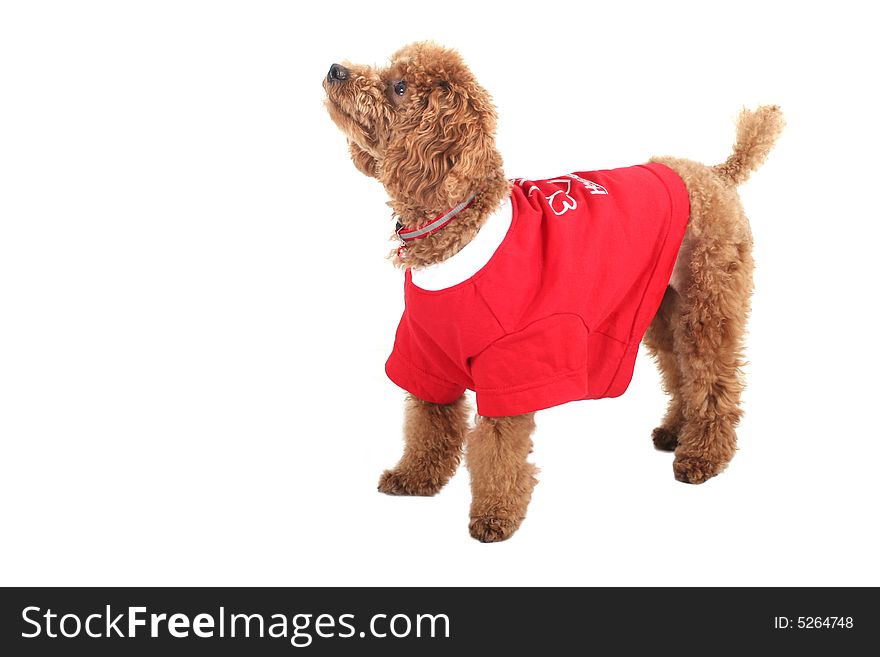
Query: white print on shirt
(595,188)
(568,202)
(561,201)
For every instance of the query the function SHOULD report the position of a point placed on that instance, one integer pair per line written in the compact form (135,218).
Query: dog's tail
(756,132)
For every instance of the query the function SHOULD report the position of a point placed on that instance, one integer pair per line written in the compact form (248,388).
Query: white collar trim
(472,258)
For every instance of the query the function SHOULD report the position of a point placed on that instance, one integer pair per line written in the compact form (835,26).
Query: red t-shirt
(558,312)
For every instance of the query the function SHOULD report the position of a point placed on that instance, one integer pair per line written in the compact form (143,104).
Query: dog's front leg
(501,478)
(434,434)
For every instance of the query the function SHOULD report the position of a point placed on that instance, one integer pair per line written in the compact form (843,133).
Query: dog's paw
(492,529)
(695,470)
(664,440)
(401,482)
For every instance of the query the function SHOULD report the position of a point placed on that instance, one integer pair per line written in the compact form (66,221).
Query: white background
(191,367)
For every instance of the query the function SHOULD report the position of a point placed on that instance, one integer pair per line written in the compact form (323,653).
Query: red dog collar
(410,234)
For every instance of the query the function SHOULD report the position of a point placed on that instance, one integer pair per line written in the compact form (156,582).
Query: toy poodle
(534,293)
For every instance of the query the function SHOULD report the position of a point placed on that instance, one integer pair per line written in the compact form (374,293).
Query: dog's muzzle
(337,73)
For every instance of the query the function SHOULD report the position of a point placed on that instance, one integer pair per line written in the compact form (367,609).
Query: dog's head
(423,125)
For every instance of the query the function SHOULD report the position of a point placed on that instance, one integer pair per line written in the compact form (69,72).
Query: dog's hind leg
(501,478)
(434,434)
(708,337)
(715,287)
(660,343)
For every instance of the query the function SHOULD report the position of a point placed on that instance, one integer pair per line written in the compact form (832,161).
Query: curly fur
(501,478)
(434,436)
(433,147)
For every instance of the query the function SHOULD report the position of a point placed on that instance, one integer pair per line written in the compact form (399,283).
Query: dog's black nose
(338,73)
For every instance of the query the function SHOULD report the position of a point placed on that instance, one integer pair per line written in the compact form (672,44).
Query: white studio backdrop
(195,308)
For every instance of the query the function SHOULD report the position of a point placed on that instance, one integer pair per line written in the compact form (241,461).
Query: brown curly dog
(425,129)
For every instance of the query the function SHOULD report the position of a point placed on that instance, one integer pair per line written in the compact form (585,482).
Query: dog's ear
(364,162)
(443,158)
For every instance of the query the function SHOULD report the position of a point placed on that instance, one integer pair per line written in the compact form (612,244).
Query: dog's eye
(400,87)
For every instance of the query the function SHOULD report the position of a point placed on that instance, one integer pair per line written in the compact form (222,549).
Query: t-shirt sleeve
(543,365)
(416,365)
